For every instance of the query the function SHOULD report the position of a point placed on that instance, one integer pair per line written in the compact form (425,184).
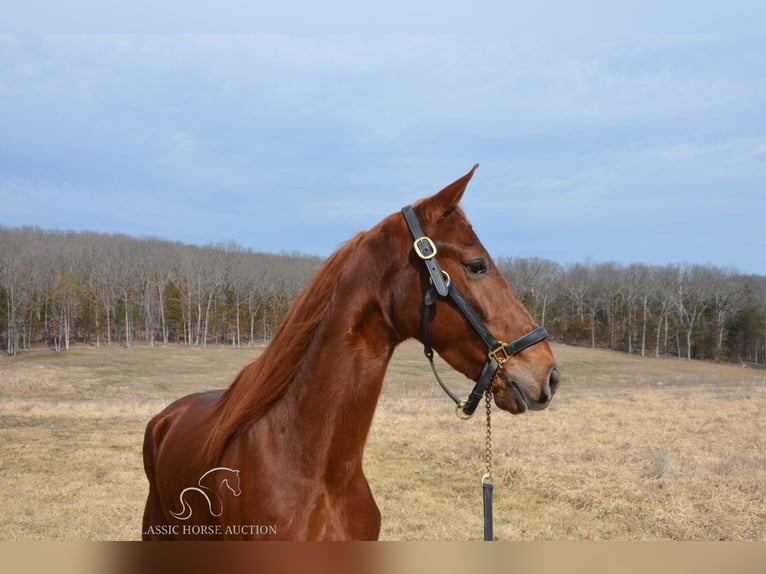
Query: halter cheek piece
(441,286)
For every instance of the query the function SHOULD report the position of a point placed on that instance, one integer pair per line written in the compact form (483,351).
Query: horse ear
(445,201)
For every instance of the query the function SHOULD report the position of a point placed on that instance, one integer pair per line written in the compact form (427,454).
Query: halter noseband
(441,286)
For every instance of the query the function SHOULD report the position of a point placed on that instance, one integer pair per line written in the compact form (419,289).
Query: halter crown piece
(441,286)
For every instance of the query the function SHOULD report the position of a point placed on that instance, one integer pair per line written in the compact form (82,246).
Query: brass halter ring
(446,276)
(460,413)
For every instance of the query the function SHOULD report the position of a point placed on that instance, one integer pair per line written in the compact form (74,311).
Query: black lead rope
(486,487)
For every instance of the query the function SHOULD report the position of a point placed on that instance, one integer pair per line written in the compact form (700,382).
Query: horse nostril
(553,380)
(547,392)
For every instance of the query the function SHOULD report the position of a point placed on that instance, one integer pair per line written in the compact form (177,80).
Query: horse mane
(261,383)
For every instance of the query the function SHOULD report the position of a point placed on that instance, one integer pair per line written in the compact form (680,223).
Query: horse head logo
(210,486)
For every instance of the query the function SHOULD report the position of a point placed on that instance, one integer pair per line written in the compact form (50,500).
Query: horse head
(525,380)
(219,477)
(232,482)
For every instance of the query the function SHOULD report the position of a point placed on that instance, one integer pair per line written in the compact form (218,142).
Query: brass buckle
(500,354)
(419,251)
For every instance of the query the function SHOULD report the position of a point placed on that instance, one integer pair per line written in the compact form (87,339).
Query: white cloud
(759,152)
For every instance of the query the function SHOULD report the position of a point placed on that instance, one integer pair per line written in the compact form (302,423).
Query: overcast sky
(627,147)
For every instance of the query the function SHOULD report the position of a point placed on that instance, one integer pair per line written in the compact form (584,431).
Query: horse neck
(327,410)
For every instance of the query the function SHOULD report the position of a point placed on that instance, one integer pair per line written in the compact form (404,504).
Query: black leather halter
(441,286)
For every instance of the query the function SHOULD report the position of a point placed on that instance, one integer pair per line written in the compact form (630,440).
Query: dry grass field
(630,449)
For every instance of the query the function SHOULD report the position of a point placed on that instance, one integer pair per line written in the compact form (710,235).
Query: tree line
(57,288)
(687,310)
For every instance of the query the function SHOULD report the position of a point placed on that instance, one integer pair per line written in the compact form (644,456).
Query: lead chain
(487,478)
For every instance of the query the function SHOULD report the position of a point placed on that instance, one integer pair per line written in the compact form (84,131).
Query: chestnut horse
(295,420)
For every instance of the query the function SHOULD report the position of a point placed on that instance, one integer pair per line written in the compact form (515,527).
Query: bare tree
(607,282)
(66,295)
(576,286)
(722,290)
(690,299)
(534,281)
(638,287)
(16,275)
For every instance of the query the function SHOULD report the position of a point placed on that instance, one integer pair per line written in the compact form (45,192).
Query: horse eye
(476,267)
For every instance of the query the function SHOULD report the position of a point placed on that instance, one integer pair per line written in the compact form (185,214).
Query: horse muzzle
(518,397)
